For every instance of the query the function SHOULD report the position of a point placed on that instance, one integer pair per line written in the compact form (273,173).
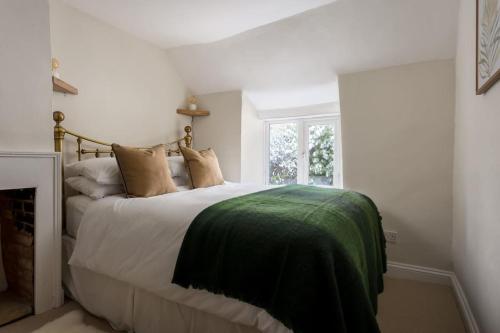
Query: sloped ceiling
(296,61)
(284,61)
(169,23)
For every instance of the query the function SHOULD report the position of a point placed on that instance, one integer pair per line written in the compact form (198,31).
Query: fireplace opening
(17,230)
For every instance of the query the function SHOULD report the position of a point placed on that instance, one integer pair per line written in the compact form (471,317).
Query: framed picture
(487,44)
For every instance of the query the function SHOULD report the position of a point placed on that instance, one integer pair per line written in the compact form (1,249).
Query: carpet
(72,322)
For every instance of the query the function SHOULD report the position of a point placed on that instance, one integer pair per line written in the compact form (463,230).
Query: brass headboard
(60,132)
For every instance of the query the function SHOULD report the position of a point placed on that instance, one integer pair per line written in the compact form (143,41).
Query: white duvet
(138,240)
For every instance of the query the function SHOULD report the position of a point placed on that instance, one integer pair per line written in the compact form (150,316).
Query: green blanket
(312,257)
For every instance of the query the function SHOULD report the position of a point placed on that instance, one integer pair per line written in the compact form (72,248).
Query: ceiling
(284,53)
(170,23)
(296,61)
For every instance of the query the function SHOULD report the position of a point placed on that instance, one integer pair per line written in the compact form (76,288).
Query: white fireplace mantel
(43,172)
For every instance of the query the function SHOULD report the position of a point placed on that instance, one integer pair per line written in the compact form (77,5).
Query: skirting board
(432,275)
(419,273)
(470,320)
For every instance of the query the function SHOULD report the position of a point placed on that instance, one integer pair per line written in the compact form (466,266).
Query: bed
(135,302)
(133,274)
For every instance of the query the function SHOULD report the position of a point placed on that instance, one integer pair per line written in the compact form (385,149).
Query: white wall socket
(391,236)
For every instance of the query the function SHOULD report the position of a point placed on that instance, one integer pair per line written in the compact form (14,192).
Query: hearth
(17,231)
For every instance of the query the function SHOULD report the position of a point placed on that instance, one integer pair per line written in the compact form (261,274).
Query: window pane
(321,143)
(283,153)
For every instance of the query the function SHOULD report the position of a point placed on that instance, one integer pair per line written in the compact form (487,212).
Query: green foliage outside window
(283,154)
(321,155)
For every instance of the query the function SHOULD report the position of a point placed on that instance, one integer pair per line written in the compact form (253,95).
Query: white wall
(128,89)
(252,144)
(25,87)
(476,220)
(398,149)
(221,130)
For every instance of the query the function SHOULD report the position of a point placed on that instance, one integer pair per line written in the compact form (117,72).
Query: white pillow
(183,188)
(93,189)
(177,167)
(180,181)
(103,170)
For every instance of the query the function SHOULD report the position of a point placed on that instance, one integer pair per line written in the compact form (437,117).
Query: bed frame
(60,133)
(99,148)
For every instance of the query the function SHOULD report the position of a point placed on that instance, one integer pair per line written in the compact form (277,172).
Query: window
(304,151)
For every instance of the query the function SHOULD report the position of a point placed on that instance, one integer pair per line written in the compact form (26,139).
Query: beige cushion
(203,167)
(145,172)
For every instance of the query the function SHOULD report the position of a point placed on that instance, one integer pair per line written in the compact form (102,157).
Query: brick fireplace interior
(17,217)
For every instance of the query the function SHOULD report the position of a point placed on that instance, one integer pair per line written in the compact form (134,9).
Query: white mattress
(75,208)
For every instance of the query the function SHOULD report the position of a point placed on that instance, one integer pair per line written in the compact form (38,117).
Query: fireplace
(30,188)
(17,232)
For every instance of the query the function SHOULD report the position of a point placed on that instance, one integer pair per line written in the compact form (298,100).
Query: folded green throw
(312,257)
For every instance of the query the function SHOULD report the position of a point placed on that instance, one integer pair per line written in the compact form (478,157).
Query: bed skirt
(134,310)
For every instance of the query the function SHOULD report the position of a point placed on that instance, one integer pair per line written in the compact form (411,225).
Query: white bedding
(137,241)
(77,205)
(75,208)
(134,310)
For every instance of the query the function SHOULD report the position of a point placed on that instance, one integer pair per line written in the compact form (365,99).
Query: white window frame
(303,154)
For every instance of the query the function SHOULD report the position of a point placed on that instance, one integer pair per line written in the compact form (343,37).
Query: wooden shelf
(61,86)
(195,113)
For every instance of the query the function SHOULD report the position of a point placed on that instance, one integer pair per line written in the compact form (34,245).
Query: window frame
(303,124)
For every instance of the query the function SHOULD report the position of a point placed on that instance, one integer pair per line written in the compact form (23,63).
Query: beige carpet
(405,307)
(12,307)
(33,323)
(72,322)
(416,307)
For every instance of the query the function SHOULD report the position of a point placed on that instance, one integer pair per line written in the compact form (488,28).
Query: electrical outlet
(391,236)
